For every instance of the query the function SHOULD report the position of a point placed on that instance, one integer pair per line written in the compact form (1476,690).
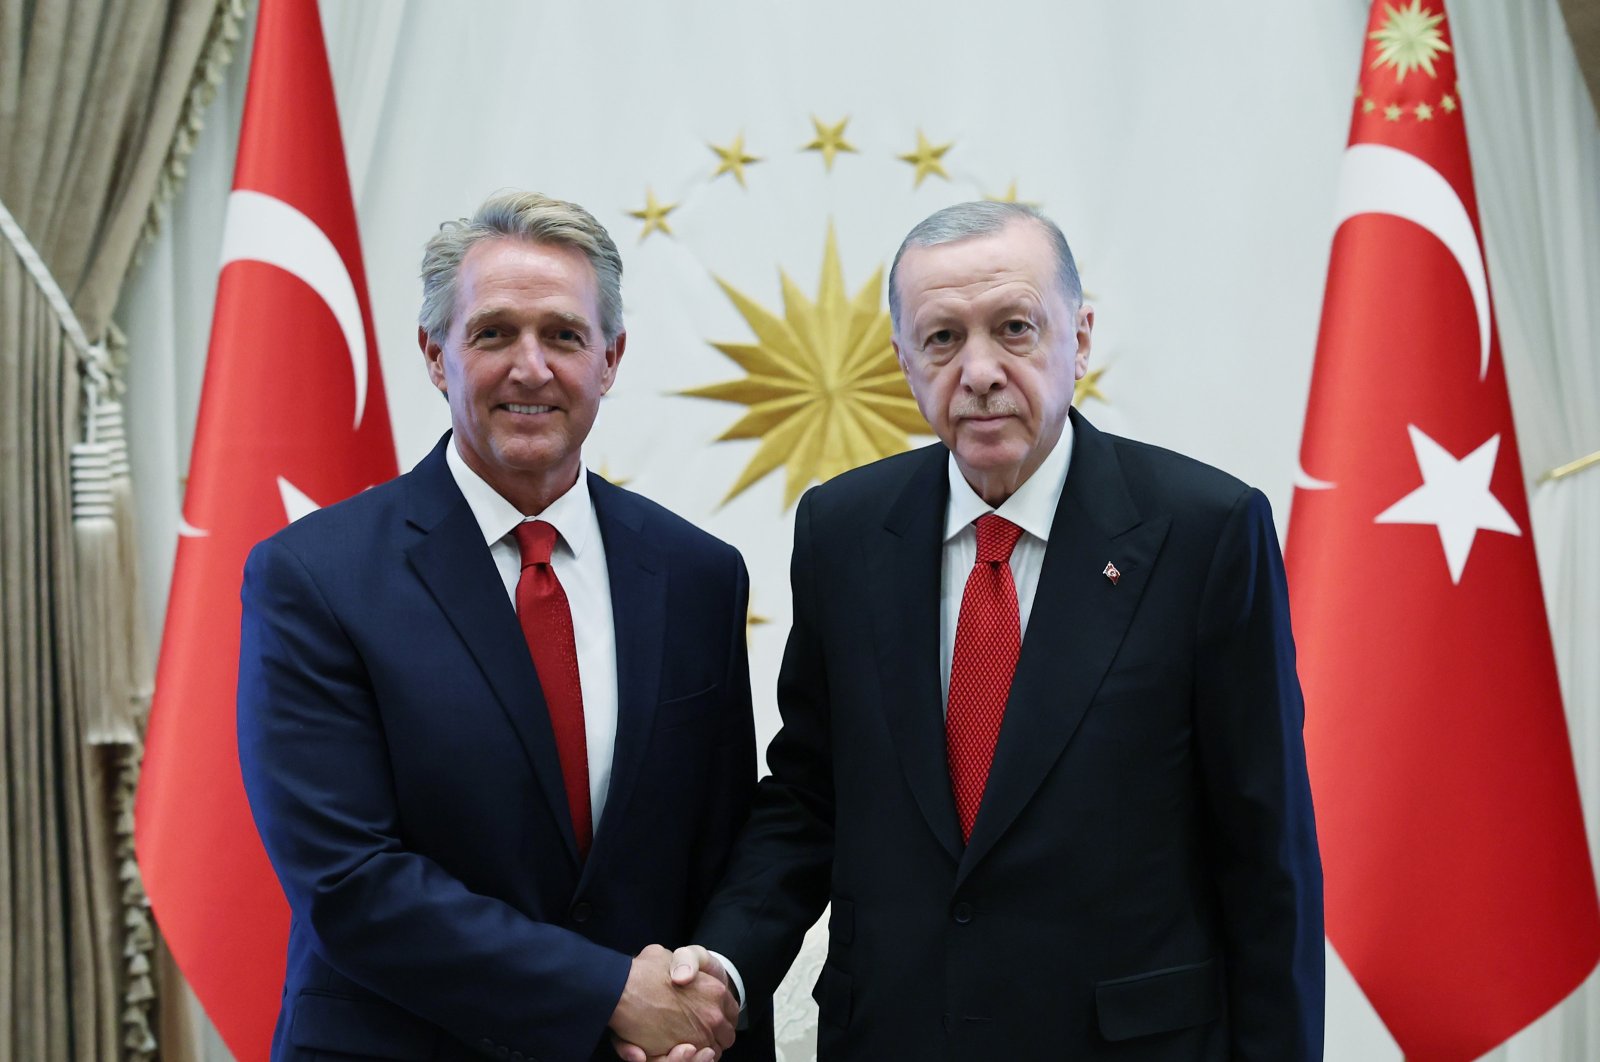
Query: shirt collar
(572,514)
(1032,507)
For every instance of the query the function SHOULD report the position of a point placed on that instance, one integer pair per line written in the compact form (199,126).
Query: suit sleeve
(730,786)
(316,769)
(1249,718)
(777,881)
(733,772)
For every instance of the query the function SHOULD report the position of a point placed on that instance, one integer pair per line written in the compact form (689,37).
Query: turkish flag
(292,416)
(1458,884)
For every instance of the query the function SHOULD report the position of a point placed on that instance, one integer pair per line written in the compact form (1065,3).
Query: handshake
(676,1007)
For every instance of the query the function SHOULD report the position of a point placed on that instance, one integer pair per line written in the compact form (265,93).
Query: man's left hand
(686,963)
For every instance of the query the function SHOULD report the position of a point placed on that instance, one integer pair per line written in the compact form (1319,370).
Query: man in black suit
(475,702)
(1041,742)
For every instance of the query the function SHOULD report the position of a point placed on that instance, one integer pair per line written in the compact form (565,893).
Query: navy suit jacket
(1142,881)
(402,771)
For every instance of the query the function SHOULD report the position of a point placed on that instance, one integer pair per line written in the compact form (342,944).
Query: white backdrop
(1189,151)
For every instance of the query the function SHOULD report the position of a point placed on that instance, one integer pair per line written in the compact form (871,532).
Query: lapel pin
(1111,573)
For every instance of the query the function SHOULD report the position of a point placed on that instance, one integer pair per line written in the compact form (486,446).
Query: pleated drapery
(1537,163)
(99,104)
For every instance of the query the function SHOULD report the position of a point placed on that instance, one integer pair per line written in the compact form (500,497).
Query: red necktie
(547,625)
(988,641)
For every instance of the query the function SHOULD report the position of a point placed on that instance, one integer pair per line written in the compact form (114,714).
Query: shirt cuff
(733,976)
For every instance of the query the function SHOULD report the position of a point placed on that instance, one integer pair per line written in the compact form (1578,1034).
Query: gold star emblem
(1392,113)
(1009,197)
(604,472)
(1449,104)
(1409,39)
(926,158)
(752,619)
(1367,106)
(829,140)
(1423,112)
(824,390)
(653,214)
(1089,387)
(732,159)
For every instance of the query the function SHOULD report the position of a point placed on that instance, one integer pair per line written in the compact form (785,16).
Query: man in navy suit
(1041,743)
(494,715)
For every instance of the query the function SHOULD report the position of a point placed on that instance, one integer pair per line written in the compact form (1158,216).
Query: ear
(899,355)
(1085,329)
(613,356)
(433,354)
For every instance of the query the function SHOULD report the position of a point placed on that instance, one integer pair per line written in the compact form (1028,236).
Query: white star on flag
(296,502)
(1454,497)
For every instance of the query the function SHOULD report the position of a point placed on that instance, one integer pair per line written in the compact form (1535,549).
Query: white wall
(1189,151)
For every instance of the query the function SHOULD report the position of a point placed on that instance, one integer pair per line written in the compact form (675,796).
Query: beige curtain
(99,104)
(1583,25)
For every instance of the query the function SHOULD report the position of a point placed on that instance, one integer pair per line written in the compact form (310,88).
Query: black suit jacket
(402,771)
(1142,880)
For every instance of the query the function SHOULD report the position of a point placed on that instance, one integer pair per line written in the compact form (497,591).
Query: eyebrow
(576,319)
(1019,301)
(942,316)
(489,313)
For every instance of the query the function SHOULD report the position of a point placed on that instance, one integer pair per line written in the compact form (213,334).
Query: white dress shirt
(579,560)
(1032,508)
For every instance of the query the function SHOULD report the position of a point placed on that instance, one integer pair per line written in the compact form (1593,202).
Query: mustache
(998,406)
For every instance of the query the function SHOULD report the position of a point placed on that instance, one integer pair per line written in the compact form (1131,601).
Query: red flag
(1458,883)
(292,416)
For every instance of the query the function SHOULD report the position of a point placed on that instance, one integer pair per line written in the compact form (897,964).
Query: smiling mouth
(516,408)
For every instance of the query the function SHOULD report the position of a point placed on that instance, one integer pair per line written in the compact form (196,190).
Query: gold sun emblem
(823,386)
(1087,388)
(1409,40)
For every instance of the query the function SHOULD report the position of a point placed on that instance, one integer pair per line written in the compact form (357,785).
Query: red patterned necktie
(547,625)
(988,641)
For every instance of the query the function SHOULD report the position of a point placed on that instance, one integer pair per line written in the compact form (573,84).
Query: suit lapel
(453,562)
(638,575)
(904,562)
(1077,623)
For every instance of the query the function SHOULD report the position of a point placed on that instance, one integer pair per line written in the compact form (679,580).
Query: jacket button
(962,913)
(581,911)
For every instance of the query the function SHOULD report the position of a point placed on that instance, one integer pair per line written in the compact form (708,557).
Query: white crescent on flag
(1376,179)
(1306,481)
(262,228)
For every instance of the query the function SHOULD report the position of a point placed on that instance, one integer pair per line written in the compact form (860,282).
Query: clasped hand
(676,1007)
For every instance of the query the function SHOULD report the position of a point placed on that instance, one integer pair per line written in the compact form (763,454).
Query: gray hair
(526,216)
(966,220)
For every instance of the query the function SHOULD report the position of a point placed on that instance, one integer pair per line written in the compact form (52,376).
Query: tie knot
(997,537)
(536,539)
